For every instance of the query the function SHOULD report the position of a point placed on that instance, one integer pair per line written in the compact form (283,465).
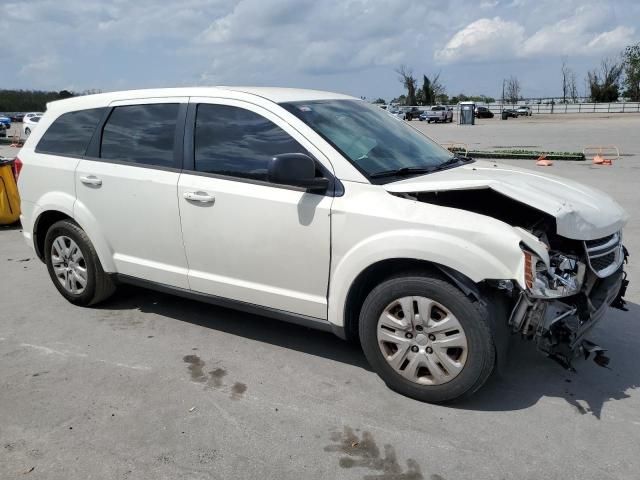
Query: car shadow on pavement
(528,375)
(255,327)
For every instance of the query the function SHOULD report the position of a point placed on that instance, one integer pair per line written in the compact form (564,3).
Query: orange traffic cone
(543,162)
(600,160)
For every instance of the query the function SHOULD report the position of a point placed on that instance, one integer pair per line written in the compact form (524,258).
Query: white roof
(274,94)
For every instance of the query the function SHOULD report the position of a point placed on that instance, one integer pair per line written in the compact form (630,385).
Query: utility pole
(503,82)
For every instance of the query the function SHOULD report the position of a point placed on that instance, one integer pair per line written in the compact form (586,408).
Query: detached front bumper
(559,326)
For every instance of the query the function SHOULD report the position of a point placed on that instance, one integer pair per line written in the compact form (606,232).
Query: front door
(247,239)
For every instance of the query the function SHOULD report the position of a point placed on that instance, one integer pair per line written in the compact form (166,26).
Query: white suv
(322,210)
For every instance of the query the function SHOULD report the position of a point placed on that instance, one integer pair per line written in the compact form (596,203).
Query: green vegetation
(631,60)
(520,154)
(29,100)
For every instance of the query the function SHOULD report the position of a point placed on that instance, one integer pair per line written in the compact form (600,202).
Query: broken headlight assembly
(563,276)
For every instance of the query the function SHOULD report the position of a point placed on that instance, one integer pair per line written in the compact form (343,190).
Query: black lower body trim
(303,320)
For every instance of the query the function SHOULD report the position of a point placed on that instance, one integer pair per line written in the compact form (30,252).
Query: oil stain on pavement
(237,391)
(214,378)
(363,452)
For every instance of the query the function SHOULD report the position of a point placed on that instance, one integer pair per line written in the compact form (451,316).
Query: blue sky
(350,46)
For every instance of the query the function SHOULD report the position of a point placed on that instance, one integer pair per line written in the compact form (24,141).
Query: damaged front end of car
(568,294)
(566,283)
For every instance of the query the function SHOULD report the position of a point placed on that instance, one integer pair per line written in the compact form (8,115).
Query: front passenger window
(237,142)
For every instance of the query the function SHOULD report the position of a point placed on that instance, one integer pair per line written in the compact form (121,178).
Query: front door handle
(200,197)
(91,180)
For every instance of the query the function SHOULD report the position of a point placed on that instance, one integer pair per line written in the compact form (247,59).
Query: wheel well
(372,276)
(375,274)
(44,221)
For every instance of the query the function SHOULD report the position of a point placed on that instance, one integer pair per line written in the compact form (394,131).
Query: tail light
(17,167)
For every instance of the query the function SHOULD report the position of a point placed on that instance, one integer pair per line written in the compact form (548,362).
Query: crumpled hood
(581,212)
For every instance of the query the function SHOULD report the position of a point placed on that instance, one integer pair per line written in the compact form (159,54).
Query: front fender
(466,256)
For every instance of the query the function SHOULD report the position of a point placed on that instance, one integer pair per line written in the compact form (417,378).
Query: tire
(462,376)
(27,131)
(98,286)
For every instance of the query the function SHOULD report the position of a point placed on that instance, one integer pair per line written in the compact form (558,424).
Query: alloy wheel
(69,264)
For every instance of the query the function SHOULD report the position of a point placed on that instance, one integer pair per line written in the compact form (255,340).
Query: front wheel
(27,131)
(426,339)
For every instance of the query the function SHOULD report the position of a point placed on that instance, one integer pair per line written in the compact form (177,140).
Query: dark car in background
(412,112)
(5,120)
(483,112)
(16,117)
(510,112)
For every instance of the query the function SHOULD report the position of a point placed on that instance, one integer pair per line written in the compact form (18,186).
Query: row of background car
(436,113)
(29,121)
(442,113)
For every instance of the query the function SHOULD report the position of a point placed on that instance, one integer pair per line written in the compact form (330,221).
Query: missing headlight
(562,278)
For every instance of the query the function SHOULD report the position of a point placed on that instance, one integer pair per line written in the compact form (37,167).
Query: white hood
(581,212)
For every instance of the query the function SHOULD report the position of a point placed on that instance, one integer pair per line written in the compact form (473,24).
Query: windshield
(371,139)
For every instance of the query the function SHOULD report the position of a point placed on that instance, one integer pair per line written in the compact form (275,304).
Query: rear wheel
(426,339)
(27,131)
(74,266)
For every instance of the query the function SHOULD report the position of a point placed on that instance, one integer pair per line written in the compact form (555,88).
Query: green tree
(28,100)
(604,84)
(379,101)
(631,60)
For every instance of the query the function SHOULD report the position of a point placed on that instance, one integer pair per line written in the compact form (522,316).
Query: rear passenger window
(70,133)
(141,134)
(237,142)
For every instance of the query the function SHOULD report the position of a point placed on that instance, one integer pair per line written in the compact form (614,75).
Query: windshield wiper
(453,161)
(405,171)
(401,172)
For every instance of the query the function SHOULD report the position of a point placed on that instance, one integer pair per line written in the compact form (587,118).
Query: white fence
(618,107)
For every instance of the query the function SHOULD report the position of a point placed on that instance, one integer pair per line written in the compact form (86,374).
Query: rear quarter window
(70,133)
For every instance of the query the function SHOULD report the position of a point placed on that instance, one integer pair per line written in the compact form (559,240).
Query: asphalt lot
(149,386)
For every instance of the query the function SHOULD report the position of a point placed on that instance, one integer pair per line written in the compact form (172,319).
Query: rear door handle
(200,197)
(91,180)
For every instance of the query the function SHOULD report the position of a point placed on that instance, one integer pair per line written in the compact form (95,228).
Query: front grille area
(600,263)
(591,244)
(604,254)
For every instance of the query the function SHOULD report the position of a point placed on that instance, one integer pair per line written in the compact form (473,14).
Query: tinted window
(141,134)
(70,133)
(236,142)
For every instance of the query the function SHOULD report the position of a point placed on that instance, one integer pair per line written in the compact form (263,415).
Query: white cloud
(614,39)
(483,39)
(488,4)
(584,32)
(40,65)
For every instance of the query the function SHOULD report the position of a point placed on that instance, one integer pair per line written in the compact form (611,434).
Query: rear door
(126,188)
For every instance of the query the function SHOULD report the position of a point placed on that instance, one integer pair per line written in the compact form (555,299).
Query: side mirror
(298,170)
